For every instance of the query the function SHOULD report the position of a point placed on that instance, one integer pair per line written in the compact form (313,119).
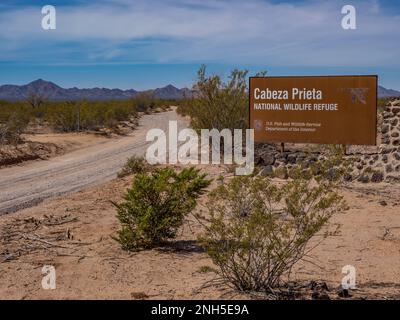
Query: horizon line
(87,88)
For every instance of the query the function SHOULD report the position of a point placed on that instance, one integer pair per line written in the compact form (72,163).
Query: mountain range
(387,93)
(55,93)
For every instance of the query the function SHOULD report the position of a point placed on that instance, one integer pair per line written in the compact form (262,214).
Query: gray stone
(268,158)
(344,293)
(385,139)
(387,115)
(391,178)
(385,129)
(377,177)
(257,159)
(281,156)
(397,156)
(394,122)
(292,158)
(309,162)
(285,154)
(395,110)
(388,168)
(267,171)
(396,142)
(385,158)
(363,178)
(332,174)
(394,134)
(386,149)
(348,177)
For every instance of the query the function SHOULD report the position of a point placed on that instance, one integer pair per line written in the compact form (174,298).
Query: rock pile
(369,165)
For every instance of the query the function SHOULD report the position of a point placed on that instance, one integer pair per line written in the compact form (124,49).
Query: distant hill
(53,92)
(387,93)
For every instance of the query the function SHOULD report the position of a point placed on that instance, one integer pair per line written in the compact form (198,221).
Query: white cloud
(250,32)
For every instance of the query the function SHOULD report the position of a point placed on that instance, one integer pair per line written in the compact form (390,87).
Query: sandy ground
(43,146)
(68,142)
(99,161)
(77,241)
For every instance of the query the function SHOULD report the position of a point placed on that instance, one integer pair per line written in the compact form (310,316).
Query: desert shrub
(218,104)
(134,164)
(36,99)
(87,115)
(14,119)
(331,163)
(62,117)
(144,102)
(258,230)
(334,167)
(155,206)
(147,102)
(70,116)
(184,106)
(382,103)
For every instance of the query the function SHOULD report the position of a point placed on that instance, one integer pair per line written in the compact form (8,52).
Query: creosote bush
(156,205)
(85,115)
(217,104)
(257,229)
(72,116)
(134,164)
(334,167)
(13,122)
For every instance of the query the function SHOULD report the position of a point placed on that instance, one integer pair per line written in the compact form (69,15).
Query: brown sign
(326,110)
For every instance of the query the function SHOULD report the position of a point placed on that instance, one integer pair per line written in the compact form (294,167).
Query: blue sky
(145,44)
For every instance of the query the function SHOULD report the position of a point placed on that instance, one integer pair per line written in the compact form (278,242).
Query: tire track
(28,185)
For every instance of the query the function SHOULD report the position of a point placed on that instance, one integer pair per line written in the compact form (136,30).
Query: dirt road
(30,184)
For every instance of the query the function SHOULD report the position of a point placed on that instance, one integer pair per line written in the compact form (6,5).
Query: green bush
(134,164)
(155,206)
(382,103)
(84,115)
(62,117)
(218,104)
(70,116)
(144,102)
(258,230)
(13,121)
